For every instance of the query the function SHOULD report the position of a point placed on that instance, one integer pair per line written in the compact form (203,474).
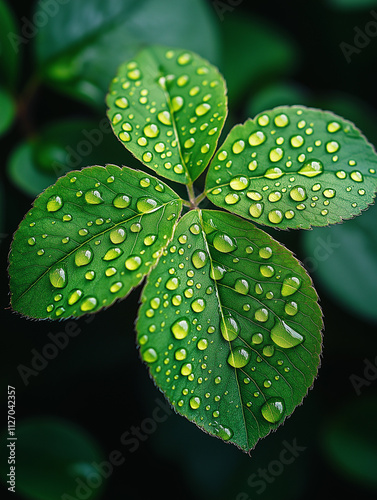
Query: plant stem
(191,194)
(200,198)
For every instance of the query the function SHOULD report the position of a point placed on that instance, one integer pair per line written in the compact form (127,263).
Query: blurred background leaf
(54,456)
(9,57)
(87,40)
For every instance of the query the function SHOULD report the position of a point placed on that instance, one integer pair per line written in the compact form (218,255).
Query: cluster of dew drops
(83,256)
(309,168)
(239,357)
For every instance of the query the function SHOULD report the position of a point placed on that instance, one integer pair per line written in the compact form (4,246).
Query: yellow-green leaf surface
(168,106)
(230,327)
(88,240)
(294,167)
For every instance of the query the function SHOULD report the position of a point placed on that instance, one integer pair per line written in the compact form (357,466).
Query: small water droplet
(177,103)
(242,286)
(257,338)
(297,141)
(164,117)
(298,193)
(74,296)
(256,209)
(224,433)
(180,354)
(232,198)
(150,355)
(181,328)
(172,283)
(118,235)
(195,402)
(332,146)
(273,410)
(202,109)
(112,254)
(329,193)
(198,305)
(291,308)
(257,138)
(275,216)
(261,314)
(284,336)
(357,176)
(54,203)
(238,146)
(281,120)
(239,183)
(273,173)
(202,344)
(333,127)
(266,270)
(276,154)
(239,356)
(151,130)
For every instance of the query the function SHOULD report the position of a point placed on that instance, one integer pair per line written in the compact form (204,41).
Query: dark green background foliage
(82,395)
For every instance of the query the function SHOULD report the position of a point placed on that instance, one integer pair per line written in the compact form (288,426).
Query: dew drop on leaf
(58,277)
(224,243)
(239,356)
(284,336)
(93,197)
(273,410)
(54,203)
(290,285)
(83,256)
(121,201)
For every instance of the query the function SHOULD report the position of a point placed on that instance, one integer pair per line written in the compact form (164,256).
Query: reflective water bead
(329,193)
(164,117)
(257,138)
(83,256)
(74,296)
(275,216)
(229,327)
(199,259)
(115,287)
(93,197)
(54,203)
(112,253)
(256,209)
(261,315)
(151,130)
(357,176)
(198,305)
(202,109)
(276,154)
(297,141)
(281,120)
(146,204)
(333,127)
(311,168)
(238,146)
(195,402)
(58,276)
(133,262)
(150,355)
(232,198)
(284,336)
(273,410)
(290,285)
(239,356)
(224,243)
(298,193)
(265,252)
(118,235)
(239,183)
(332,146)
(242,286)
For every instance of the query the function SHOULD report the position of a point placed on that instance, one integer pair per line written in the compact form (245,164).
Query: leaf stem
(191,195)
(200,198)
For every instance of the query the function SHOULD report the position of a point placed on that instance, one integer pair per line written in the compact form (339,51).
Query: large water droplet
(150,355)
(112,254)
(164,117)
(199,259)
(195,402)
(224,243)
(146,204)
(177,103)
(273,410)
(290,285)
(239,183)
(202,109)
(121,200)
(133,262)
(224,433)
(242,286)
(83,256)
(180,329)
(256,209)
(239,356)
(238,147)
(276,154)
(118,235)
(298,193)
(151,130)
(54,203)
(356,176)
(217,271)
(273,173)
(311,168)
(93,197)
(229,327)
(284,336)
(88,304)
(74,296)
(172,283)
(198,305)
(58,276)
(257,138)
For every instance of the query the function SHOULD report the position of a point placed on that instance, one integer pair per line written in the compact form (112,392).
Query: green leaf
(230,327)
(8,111)
(344,260)
(168,108)
(82,45)
(60,147)
(89,240)
(294,167)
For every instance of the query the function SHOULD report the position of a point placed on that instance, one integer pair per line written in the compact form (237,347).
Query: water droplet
(93,197)
(199,259)
(298,193)
(88,304)
(198,305)
(257,138)
(256,209)
(151,130)
(177,103)
(257,338)
(180,354)
(202,109)
(189,143)
(150,355)
(291,308)
(290,286)
(273,173)
(276,154)
(284,336)
(133,262)
(121,102)
(232,198)
(242,286)
(275,216)
(281,120)
(164,117)
(74,296)
(172,283)
(274,196)
(297,141)
(186,369)
(341,174)
(266,271)
(261,315)
(202,344)
(118,235)
(238,146)
(229,327)
(265,252)
(239,356)
(195,402)
(90,275)
(146,204)
(83,256)
(333,127)
(273,410)
(58,277)
(311,168)
(31,241)
(239,183)
(224,433)
(67,217)
(329,193)
(115,287)
(357,176)
(54,203)
(112,254)
(217,272)
(332,146)
(224,243)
